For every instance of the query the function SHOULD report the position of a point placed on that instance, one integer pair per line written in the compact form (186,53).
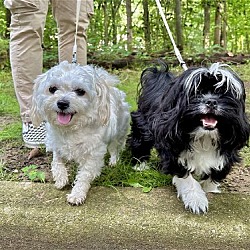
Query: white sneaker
(33,137)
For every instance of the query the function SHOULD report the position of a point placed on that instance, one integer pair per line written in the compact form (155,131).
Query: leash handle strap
(78,8)
(176,50)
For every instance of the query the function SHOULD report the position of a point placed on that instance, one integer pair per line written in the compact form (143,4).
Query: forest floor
(15,158)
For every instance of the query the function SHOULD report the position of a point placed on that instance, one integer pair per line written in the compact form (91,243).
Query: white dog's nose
(63,104)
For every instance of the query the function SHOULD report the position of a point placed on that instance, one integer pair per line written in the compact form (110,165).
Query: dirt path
(36,216)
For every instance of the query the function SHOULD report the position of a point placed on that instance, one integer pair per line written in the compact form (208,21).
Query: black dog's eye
(53,89)
(80,92)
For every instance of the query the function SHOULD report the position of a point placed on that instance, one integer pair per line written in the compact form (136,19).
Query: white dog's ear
(35,112)
(104,84)
(103,95)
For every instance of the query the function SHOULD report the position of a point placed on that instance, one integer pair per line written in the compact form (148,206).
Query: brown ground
(15,157)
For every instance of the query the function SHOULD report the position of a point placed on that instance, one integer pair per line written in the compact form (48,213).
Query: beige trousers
(26,37)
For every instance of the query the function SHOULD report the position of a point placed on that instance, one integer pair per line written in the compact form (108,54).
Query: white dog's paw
(210,186)
(61,178)
(195,201)
(76,198)
(60,174)
(141,167)
(113,160)
(61,182)
(191,193)
(78,193)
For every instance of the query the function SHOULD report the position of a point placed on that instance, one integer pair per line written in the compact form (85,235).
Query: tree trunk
(206,29)
(247,42)
(224,26)
(147,35)
(178,25)
(113,16)
(129,25)
(106,23)
(217,29)
(115,6)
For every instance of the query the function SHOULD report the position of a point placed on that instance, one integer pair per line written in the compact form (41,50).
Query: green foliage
(9,108)
(109,52)
(148,179)
(4,46)
(5,175)
(3,172)
(2,20)
(50,42)
(8,104)
(33,174)
(123,174)
(129,82)
(11,131)
(50,57)
(4,55)
(107,32)
(245,154)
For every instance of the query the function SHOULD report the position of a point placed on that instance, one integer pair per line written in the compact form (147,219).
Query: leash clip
(74,60)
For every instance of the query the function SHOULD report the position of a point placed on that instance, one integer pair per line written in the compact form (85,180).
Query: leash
(78,8)
(176,50)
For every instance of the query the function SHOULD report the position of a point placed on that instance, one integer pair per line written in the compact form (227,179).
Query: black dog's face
(211,106)
(204,99)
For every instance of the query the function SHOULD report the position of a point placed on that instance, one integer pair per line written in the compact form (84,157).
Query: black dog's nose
(212,104)
(63,104)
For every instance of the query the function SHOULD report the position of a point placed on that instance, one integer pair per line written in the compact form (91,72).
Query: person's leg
(26,31)
(64,12)
(26,55)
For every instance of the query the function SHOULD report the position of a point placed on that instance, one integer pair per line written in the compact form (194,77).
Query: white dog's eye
(53,89)
(80,92)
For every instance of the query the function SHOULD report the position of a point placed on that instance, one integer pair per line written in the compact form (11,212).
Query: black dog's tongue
(209,121)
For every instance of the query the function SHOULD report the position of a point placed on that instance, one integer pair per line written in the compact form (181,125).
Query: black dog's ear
(153,82)
(166,121)
(172,105)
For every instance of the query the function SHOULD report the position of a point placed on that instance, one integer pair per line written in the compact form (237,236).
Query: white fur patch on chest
(203,153)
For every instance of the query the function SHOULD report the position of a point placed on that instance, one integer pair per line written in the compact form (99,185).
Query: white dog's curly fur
(85,115)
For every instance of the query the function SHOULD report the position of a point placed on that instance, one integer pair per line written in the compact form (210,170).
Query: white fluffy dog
(85,116)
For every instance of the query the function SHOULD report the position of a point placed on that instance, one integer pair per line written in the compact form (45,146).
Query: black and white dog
(197,123)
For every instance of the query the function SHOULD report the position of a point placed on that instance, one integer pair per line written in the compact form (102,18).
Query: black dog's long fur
(169,111)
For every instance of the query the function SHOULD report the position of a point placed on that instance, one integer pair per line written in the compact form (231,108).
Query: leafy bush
(4,53)
(33,174)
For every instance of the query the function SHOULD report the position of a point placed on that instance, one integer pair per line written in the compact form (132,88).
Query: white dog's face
(70,94)
(65,101)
